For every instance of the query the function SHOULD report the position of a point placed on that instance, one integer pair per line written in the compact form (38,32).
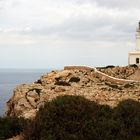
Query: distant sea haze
(10,78)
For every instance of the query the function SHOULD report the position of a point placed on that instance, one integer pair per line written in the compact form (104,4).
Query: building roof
(135,52)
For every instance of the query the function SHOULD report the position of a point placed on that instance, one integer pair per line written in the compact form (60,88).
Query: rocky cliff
(88,82)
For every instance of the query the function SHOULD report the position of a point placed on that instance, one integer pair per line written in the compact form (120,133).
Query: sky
(53,33)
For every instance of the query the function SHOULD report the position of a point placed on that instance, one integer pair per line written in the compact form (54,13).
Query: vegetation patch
(11,126)
(74,79)
(62,83)
(76,118)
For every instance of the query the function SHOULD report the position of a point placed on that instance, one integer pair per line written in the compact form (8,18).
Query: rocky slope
(121,72)
(28,98)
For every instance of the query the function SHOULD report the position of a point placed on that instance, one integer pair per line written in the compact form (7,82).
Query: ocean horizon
(10,78)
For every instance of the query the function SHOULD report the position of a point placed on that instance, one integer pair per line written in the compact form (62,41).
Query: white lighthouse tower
(134,57)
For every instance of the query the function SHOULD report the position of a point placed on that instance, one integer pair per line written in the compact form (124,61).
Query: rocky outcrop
(83,81)
(119,72)
(104,77)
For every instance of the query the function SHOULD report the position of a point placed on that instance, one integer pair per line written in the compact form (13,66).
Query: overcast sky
(55,33)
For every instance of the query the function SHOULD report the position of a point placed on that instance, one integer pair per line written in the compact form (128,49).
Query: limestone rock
(28,98)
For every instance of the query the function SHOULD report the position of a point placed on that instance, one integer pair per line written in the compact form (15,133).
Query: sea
(10,78)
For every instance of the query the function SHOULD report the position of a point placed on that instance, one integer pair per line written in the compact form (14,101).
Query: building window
(137,60)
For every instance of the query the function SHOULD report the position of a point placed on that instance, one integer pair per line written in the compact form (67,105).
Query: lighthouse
(134,57)
(138,38)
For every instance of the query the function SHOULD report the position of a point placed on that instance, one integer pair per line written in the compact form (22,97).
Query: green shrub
(76,118)
(68,118)
(10,126)
(127,113)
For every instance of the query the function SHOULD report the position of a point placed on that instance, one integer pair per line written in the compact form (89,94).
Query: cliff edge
(94,84)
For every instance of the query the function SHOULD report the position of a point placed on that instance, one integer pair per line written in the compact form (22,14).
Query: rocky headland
(108,85)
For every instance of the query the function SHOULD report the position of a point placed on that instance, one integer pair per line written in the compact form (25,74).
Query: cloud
(125,4)
(62,32)
(37,21)
(119,4)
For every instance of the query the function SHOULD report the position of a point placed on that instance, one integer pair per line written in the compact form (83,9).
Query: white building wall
(132,58)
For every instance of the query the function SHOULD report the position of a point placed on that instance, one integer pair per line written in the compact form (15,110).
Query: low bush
(127,114)
(74,79)
(11,126)
(76,118)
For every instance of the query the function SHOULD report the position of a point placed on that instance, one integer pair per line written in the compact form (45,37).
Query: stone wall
(78,68)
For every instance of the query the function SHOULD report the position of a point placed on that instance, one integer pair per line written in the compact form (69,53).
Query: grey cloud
(120,4)
(83,28)
(90,30)
(113,25)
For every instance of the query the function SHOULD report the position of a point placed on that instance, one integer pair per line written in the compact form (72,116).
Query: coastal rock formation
(121,72)
(83,81)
